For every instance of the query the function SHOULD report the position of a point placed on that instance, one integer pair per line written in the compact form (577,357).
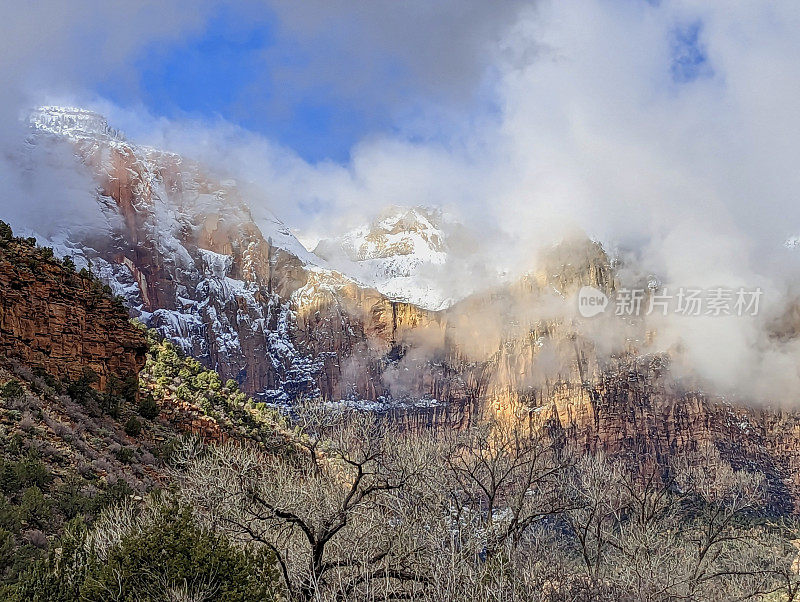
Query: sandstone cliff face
(636,411)
(53,318)
(242,296)
(624,402)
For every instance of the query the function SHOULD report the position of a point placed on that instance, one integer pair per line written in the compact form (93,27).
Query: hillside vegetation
(170,484)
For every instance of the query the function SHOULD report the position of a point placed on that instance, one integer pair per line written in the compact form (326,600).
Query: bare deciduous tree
(506,476)
(328,508)
(499,511)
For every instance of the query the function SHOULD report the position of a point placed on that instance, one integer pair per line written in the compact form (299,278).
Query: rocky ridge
(61,321)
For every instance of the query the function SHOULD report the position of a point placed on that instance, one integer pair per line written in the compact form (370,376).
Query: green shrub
(184,391)
(118,392)
(125,454)
(176,551)
(6,233)
(34,508)
(6,548)
(69,499)
(110,404)
(81,389)
(133,427)
(148,408)
(9,515)
(32,472)
(28,472)
(170,553)
(12,390)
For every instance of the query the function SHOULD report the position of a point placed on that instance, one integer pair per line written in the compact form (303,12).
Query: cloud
(387,52)
(667,129)
(65,47)
(593,129)
(56,50)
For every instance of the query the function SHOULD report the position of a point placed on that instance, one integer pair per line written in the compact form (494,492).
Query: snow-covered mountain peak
(183,195)
(397,231)
(395,220)
(401,253)
(72,122)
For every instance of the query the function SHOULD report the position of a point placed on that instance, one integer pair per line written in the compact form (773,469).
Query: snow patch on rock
(402,254)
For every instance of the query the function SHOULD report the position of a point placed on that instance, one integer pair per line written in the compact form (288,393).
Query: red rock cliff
(63,322)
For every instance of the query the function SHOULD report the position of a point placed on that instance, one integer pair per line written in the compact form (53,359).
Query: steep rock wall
(55,319)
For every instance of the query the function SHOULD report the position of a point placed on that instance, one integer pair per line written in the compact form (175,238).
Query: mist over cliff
(676,156)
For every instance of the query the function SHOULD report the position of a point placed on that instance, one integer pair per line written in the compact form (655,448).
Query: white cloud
(588,129)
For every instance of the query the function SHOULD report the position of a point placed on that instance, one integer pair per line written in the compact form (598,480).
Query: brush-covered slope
(92,410)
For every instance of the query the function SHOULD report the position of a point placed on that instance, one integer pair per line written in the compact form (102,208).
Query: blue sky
(689,58)
(321,87)
(232,68)
(223,71)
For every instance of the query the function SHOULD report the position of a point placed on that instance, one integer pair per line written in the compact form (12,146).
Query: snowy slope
(402,254)
(180,245)
(88,128)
